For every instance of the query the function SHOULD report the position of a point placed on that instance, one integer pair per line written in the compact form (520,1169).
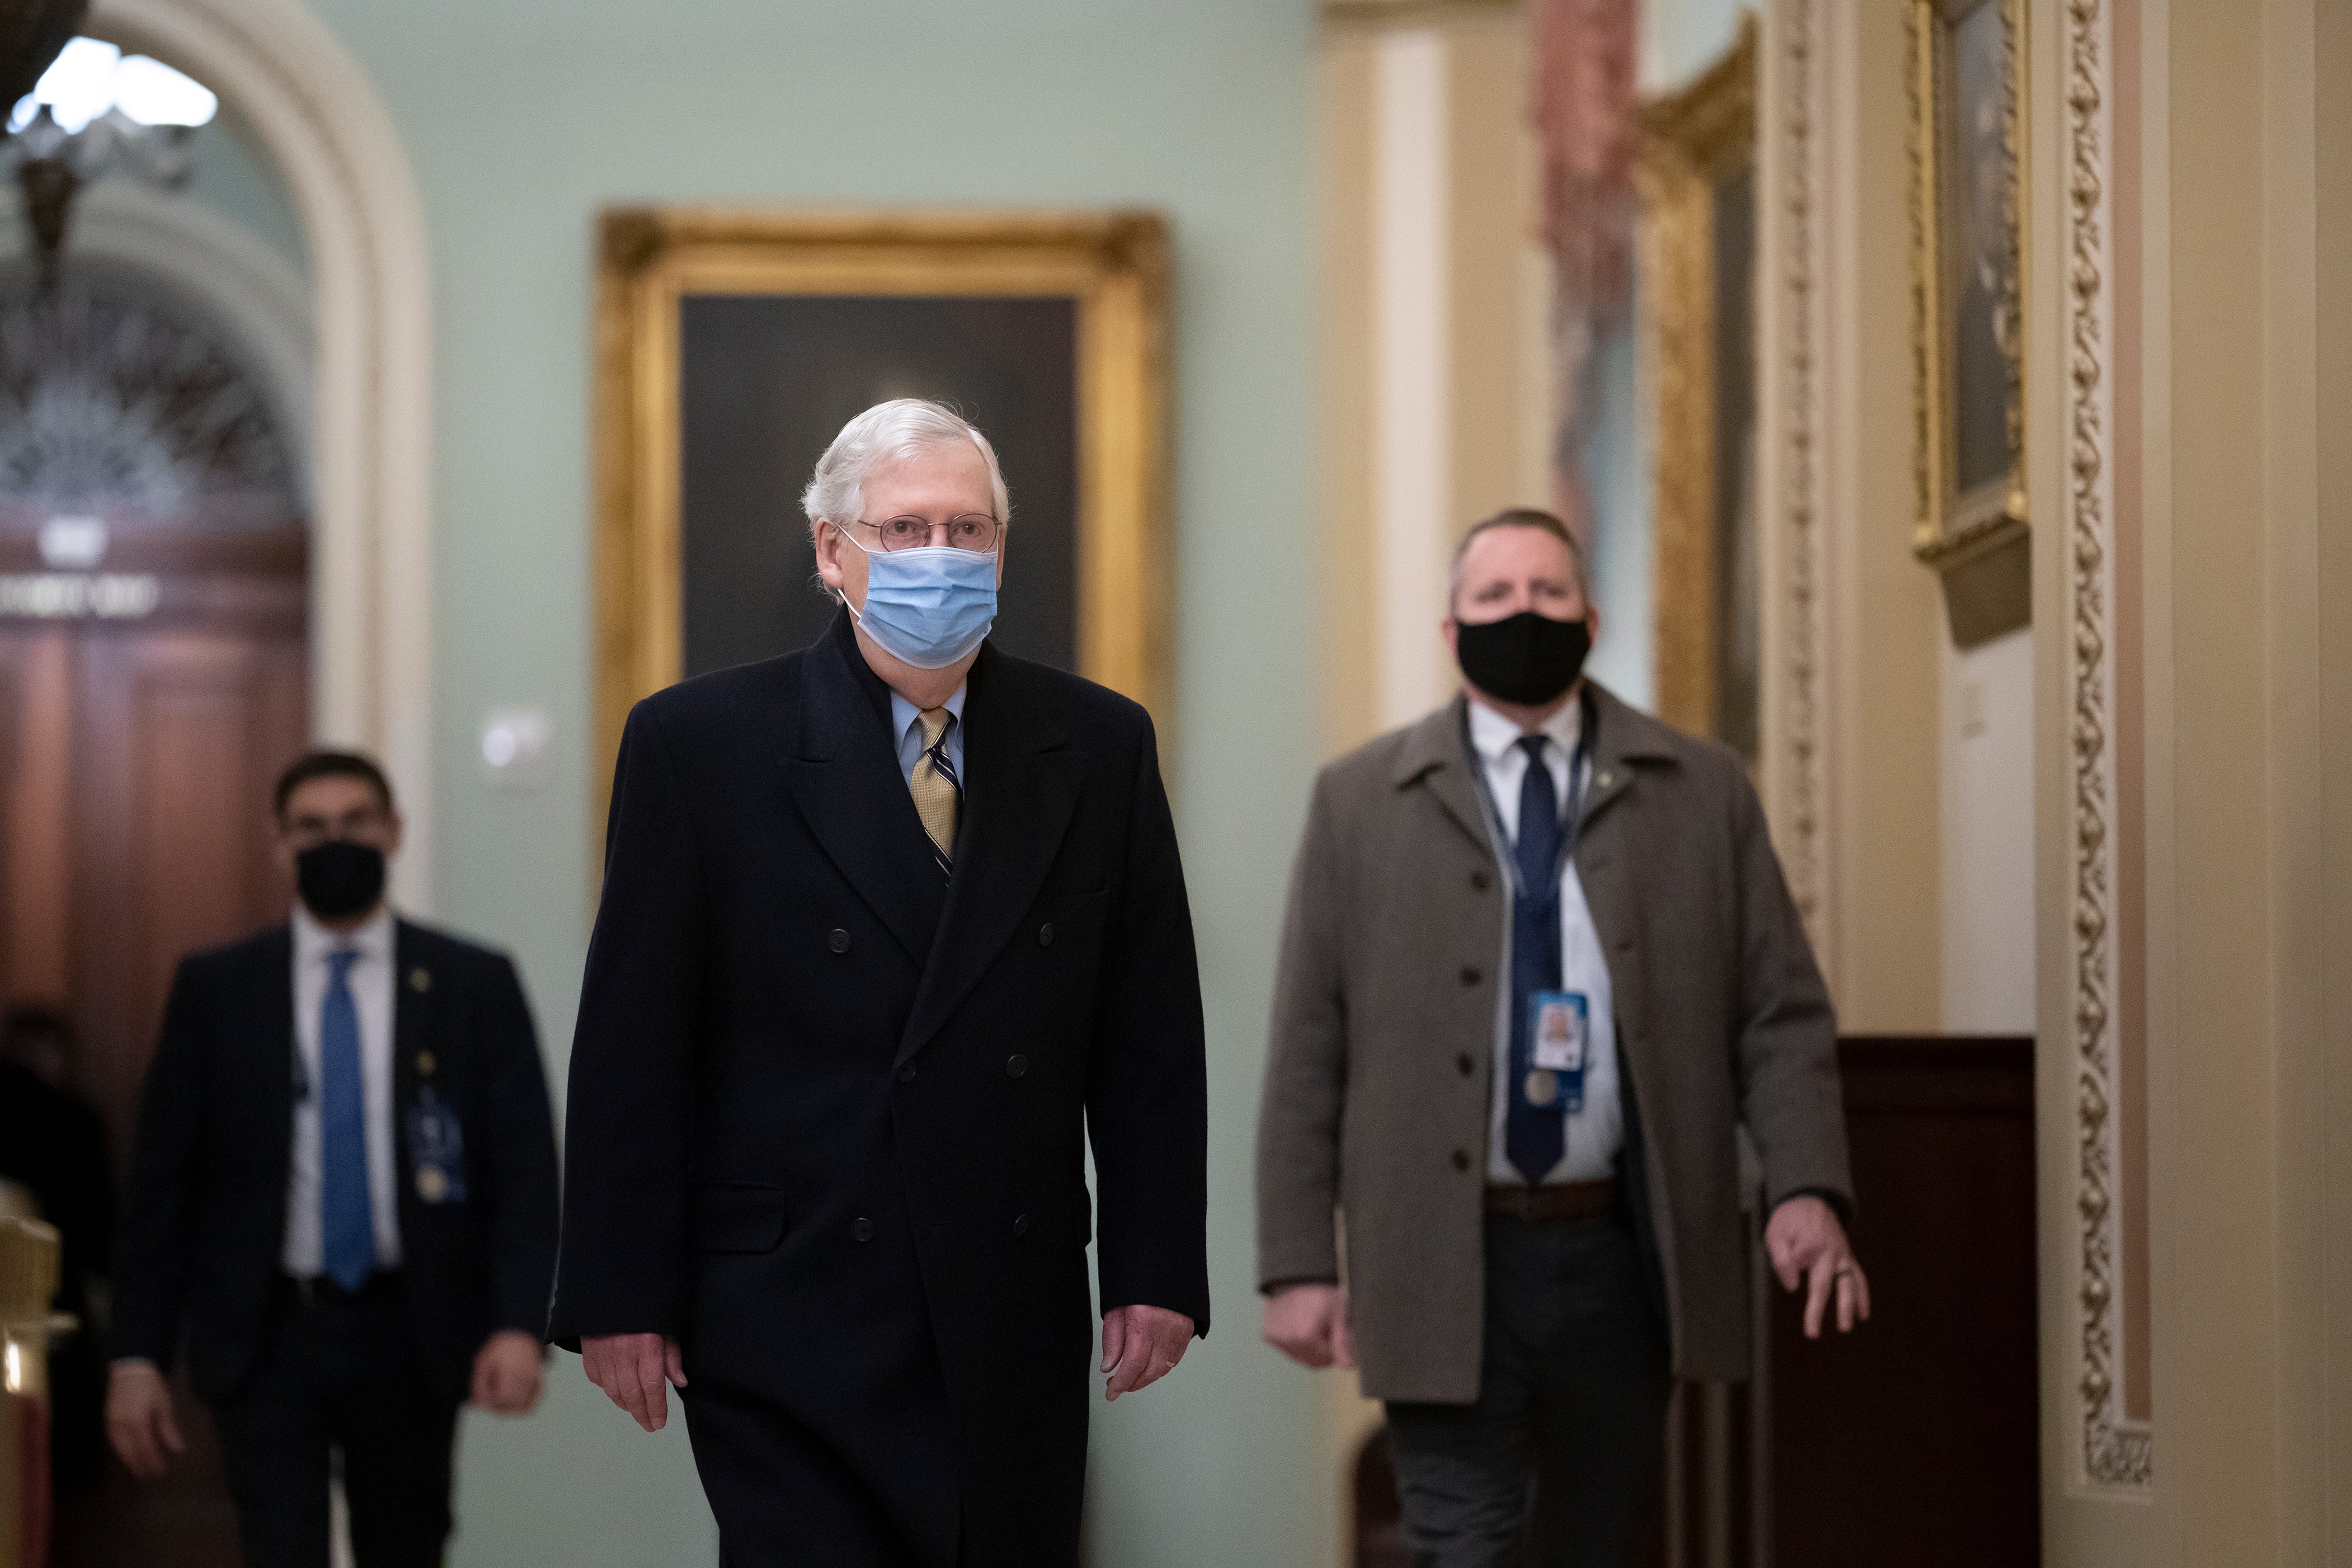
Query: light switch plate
(514,748)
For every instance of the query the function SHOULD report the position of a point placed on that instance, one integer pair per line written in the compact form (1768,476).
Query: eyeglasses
(973,530)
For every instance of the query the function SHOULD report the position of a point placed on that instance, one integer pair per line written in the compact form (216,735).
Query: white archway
(371,565)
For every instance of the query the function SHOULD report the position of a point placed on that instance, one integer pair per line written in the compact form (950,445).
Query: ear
(826,538)
(1453,637)
(1592,621)
(399,832)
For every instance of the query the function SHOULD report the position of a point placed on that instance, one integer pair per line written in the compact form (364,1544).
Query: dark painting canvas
(768,380)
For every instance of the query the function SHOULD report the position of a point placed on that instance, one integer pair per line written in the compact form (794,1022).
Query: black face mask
(339,878)
(1526,659)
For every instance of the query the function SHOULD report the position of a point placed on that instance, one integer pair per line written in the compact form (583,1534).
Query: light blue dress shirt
(906,729)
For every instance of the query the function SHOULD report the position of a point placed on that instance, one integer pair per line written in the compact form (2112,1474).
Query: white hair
(898,428)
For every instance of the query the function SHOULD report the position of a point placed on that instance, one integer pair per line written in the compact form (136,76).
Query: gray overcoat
(1378,1083)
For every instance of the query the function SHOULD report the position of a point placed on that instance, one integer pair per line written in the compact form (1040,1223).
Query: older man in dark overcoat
(890,926)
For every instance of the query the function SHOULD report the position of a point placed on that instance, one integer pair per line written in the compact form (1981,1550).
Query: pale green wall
(521,120)
(232,174)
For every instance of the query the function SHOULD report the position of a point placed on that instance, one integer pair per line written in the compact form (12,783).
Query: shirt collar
(904,714)
(1493,736)
(371,941)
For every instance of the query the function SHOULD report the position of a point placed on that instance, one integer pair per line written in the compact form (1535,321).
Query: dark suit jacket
(827,1108)
(204,1227)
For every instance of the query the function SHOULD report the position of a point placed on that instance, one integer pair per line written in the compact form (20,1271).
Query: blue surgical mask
(928,607)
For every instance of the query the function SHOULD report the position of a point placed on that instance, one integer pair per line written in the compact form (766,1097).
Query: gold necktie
(934,786)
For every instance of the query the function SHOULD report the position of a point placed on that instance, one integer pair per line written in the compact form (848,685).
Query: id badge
(1558,1026)
(436,1148)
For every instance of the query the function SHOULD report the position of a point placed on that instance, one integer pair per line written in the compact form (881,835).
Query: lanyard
(1579,774)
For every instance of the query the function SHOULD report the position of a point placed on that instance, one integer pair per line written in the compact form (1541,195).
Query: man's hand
(1308,1323)
(1806,1241)
(139,1419)
(629,1369)
(1142,1345)
(506,1372)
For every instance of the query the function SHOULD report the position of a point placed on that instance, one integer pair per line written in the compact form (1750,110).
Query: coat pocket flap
(735,1216)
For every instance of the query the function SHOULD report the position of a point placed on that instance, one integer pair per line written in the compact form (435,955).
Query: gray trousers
(1548,1469)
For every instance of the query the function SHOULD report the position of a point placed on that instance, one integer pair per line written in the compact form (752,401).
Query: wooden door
(141,726)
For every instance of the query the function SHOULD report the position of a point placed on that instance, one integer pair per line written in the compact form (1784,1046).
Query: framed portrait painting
(1967,207)
(732,346)
(1696,174)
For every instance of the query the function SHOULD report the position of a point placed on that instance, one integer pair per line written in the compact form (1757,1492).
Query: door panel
(182,733)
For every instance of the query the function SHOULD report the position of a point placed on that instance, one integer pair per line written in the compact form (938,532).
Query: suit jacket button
(1479,879)
(862,1229)
(1461,1159)
(838,940)
(1021,1226)
(1015,1065)
(907,1073)
(1045,934)
(1466,1064)
(1469,974)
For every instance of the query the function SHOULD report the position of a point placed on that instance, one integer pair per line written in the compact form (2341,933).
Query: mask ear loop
(842,595)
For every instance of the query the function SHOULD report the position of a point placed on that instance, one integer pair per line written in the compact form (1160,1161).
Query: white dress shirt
(1596,1132)
(907,726)
(371,980)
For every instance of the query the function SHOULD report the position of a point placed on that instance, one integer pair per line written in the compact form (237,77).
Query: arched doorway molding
(372,568)
(252,298)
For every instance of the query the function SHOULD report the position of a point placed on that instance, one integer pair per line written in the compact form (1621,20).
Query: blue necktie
(346,1220)
(1534,1136)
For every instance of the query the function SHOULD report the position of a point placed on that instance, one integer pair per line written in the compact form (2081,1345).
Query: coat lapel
(1624,741)
(1021,786)
(1434,756)
(413,1005)
(845,778)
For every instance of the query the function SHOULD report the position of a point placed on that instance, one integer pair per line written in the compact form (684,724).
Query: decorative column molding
(1794,240)
(1412,335)
(2115,1453)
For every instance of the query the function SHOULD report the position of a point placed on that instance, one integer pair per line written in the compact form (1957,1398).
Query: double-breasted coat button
(907,1073)
(838,940)
(1015,1065)
(1479,879)
(1021,1225)
(862,1229)
(1462,1159)
(1463,1063)
(1045,934)
(1469,974)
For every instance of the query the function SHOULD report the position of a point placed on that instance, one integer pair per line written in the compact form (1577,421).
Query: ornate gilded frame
(1691,141)
(1114,264)
(1977,541)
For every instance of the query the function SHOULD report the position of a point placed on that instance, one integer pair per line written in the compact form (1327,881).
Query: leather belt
(1558,1201)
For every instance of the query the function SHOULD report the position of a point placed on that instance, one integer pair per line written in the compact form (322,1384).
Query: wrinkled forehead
(950,475)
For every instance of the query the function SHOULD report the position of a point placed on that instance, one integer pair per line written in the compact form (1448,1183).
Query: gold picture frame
(1113,264)
(1966,81)
(1694,174)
